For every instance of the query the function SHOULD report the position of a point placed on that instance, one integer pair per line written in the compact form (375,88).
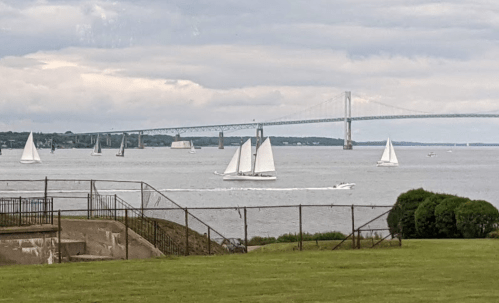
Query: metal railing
(26,211)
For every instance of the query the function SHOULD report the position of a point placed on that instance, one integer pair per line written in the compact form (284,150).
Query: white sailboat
(52,146)
(97,149)
(388,159)
(192,150)
(30,155)
(121,152)
(240,168)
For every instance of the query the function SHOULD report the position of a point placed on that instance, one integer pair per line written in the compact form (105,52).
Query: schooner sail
(389,158)
(121,152)
(30,155)
(240,168)
(97,149)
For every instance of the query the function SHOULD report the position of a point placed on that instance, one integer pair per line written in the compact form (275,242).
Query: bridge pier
(259,136)
(140,142)
(108,140)
(347,144)
(177,137)
(221,140)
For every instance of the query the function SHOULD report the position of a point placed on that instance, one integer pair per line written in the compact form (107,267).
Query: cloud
(91,65)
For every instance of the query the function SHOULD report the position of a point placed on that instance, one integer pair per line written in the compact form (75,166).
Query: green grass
(420,271)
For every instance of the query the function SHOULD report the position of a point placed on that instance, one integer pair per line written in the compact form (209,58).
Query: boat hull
(248,178)
(30,161)
(95,154)
(387,164)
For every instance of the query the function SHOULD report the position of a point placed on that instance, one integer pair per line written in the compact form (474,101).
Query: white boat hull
(344,186)
(96,154)
(387,164)
(30,161)
(248,178)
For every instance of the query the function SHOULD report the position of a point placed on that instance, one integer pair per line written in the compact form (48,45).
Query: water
(304,175)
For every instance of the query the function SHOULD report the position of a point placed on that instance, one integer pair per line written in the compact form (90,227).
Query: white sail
(393,156)
(121,152)
(264,161)
(386,153)
(245,160)
(30,155)
(97,149)
(193,150)
(232,167)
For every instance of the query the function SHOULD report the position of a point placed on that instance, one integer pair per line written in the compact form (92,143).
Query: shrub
(401,216)
(446,217)
(424,216)
(493,234)
(333,235)
(475,219)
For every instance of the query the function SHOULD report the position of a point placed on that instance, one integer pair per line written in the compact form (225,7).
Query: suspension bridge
(336,109)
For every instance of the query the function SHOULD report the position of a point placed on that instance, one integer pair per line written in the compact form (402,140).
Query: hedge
(446,217)
(424,216)
(475,219)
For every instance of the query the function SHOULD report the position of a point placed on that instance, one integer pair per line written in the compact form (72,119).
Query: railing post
(59,245)
(155,231)
(353,228)
(20,211)
(245,231)
(358,239)
(209,241)
(52,210)
(186,232)
(115,217)
(45,198)
(126,234)
(301,234)
(88,206)
(142,198)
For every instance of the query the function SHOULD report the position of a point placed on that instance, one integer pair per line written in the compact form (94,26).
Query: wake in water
(188,190)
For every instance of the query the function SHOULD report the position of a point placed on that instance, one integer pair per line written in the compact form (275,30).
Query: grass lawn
(420,271)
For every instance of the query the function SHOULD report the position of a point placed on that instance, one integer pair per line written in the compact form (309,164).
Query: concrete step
(72,247)
(89,258)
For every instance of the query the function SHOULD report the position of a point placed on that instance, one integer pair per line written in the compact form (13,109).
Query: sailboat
(30,155)
(52,146)
(121,152)
(193,150)
(97,150)
(388,159)
(240,168)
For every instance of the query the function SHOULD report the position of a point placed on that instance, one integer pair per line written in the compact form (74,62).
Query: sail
(97,148)
(264,161)
(232,167)
(393,156)
(30,154)
(192,147)
(122,147)
(245,160)
(52,147)
(386,153)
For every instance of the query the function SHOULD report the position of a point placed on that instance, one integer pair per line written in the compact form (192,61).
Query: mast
(239,157)
(254,162)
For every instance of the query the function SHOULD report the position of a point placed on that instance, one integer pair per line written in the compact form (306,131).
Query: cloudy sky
(101,65)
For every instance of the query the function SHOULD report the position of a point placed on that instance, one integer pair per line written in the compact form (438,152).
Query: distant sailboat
(193,150)
(52,146)
(30,155)
(97,149)
(388,159)
(240,169)
(121,152)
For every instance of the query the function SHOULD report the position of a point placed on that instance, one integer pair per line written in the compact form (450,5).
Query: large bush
(475,219)
(401,217)
(424,216)
(446,217)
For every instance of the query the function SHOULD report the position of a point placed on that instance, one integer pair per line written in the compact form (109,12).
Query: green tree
(446,217)
(475,219)
(424,216)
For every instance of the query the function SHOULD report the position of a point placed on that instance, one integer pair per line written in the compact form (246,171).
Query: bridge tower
(221,140)
(140,143)
(347,145)
(259,136)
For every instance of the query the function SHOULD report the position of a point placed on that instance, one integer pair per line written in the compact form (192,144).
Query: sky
(86,66)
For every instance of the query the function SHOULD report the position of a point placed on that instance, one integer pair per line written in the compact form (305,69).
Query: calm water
(303,174)
(469,172)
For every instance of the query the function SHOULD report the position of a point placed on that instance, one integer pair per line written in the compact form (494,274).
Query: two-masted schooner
(241,167)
